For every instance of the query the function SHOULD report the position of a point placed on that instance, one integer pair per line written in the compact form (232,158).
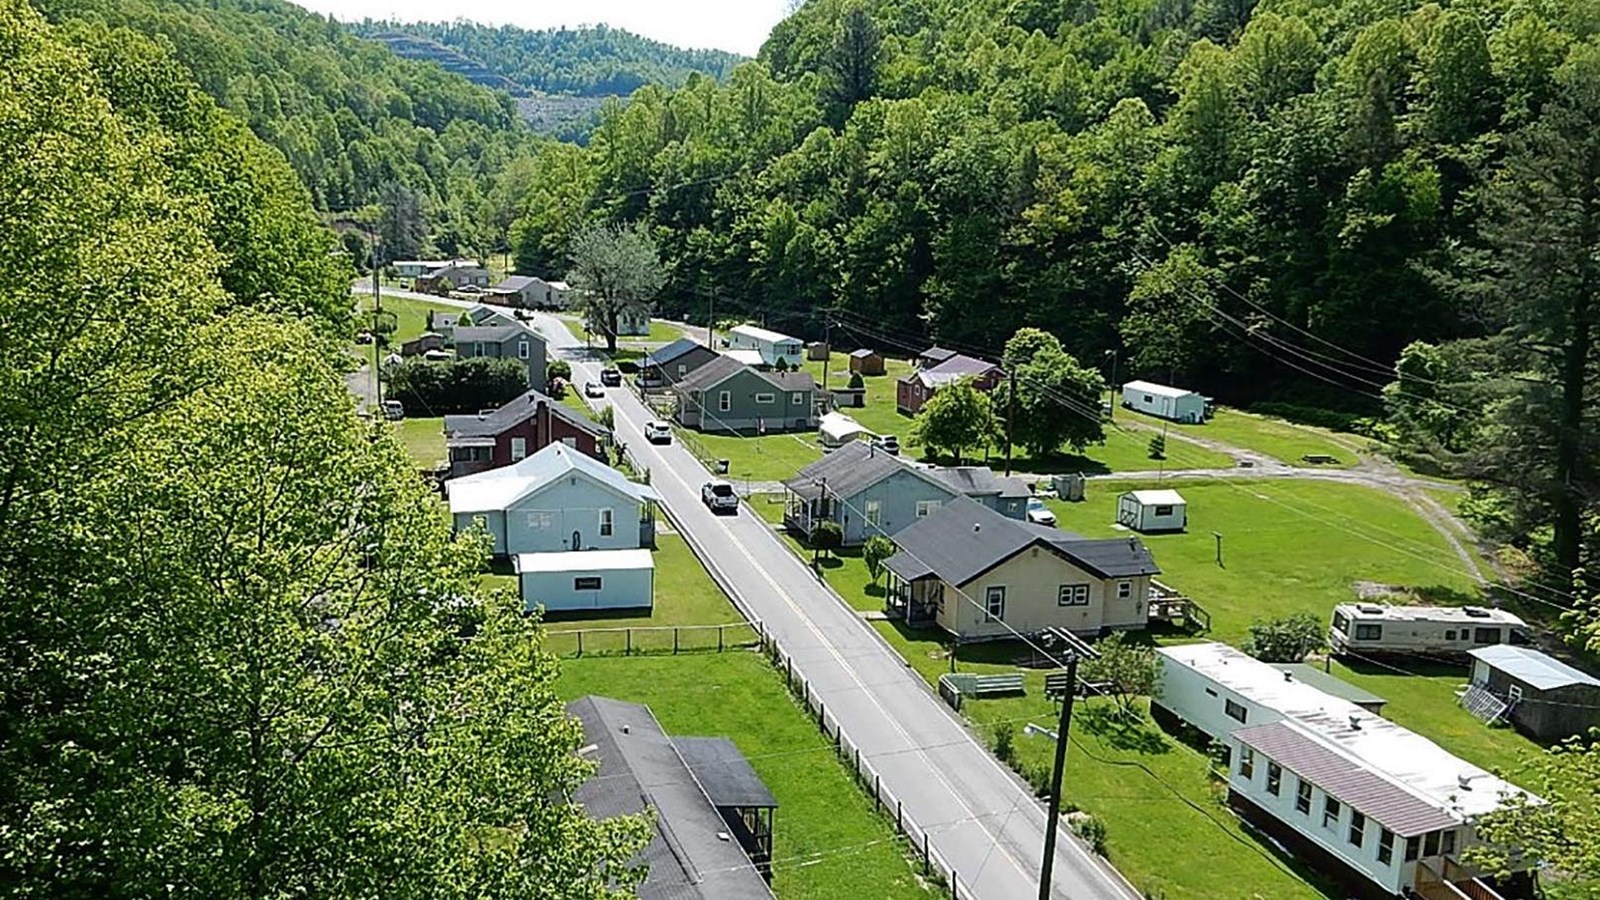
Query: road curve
(982,821)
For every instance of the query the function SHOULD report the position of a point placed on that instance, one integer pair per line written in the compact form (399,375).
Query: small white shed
(836,429)
(1164,402)
(586,579)
(1149,511)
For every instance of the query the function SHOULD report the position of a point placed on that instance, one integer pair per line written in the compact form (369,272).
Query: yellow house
(982,576)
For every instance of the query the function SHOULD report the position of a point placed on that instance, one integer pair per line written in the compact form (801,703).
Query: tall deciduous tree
(615,271)
(402,223)
(1130,669)
(957,418)
(1057,400)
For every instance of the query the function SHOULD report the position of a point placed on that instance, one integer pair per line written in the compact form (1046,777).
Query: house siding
(898,495)
(1032,580)
(619,589)
(535,364)
(744,415)
(539,430)
(1543,714)
(670,374)
(546,520)
(910,393)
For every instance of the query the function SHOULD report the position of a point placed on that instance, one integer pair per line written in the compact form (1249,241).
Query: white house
(1164,402)
(1380,808)
(558,499)
(533,292)
(588,579)
(773,346)
(418,268)
(1151,511)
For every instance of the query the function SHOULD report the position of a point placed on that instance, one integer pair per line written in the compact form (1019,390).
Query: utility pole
(1047,868)
(377,313)
(1011,416)
(1112,388)
(711,319)
(827,341)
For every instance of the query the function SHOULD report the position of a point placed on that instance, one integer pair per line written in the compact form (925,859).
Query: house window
(764,398)
(522,349)
(797,399)
(541,520)
(1302,796)
(1412,846)
(1247,763)
(724,401)
(874,511)
(1358,828)
(1430,844)
(1274,778)
(1234,710)
(1124,590)
(570,442)
(682,370)
(1072,595)
(1486,635)
(1369,632)
(1330,812)
(607,522)
(1164,510)
(994,604)
(926,508)
(1447,842)
(1450,634)
(477,348)
(1385,846)
(519,448)
(586,583)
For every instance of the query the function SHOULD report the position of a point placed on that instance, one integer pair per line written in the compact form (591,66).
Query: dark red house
(518,430)
(914,390)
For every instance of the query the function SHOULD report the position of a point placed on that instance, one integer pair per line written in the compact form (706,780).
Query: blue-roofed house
(1542,696)
(670,364)
(982,576)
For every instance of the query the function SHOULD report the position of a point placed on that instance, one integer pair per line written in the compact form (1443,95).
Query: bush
(558,368)
(1158,447)
(780,366)
(857,382)
(461,386)
(1038,778)
(1092,830)
(827,536)
(1285,640)
(1331,419)
(1005,748)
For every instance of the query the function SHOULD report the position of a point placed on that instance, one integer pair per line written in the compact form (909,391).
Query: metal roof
(1532,667)
(767,335)
(1462,615)
(1160,390)
(583,561)
(640,768)
(500,489)
(1156,498)
(936,353)
(663,355)
(964,539)
(1329,684)
(953,368)
(1389,802)
(724,773)
(863,353)
(747,357)
(519,410)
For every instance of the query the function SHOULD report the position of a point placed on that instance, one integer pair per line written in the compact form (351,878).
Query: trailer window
(1450,634)
(1234,710)
(1518,637)
(1369,632)
(1341,623)
(1486,635)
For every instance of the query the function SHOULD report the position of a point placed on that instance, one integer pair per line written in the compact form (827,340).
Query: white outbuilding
(1149,511)
(586,579)
(1164,402)
(835,429)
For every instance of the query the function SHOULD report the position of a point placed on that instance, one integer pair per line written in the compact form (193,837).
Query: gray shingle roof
(1533,667)
(492,334)
(954,368)
(641,767)
(937,354)
(515,283)
(1345,779)
(978,481)
(516,411)
(711,373)
(670,352)
(852,469)
(724,773)
(964,539)
(792,381)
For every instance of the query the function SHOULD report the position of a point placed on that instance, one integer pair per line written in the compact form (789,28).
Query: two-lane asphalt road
(981,820)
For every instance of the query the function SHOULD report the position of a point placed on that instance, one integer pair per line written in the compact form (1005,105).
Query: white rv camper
(1439,630)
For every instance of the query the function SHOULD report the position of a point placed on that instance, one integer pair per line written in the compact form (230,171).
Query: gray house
(1541,695)
(532,292)
(516,341)
(725,396)
(868,492)
(673,363)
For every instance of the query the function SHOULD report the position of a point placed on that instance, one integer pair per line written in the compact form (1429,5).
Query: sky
(737,25)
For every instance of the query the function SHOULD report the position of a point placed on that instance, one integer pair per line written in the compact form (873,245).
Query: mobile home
(1164,402)
(1440,630)
(773,347)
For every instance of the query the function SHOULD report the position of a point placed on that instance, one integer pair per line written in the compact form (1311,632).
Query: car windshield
(1035,503)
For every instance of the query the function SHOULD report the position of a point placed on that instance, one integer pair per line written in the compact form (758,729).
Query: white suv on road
(657,432)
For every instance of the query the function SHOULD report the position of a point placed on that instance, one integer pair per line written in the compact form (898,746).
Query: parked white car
(1039,514)
(658,432)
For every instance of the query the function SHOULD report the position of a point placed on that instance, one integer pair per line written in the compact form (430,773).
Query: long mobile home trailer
(1439,630)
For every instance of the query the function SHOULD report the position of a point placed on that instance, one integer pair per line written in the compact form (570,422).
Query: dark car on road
(610,377)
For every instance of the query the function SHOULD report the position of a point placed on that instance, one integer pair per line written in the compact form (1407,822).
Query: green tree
(957,418)
(826,538)
(1289,639)
(1128,668)
(402,224)
(853,59)
(614,271)
(874,552)
(1057,400)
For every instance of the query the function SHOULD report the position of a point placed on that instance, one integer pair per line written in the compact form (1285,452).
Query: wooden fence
(650,639)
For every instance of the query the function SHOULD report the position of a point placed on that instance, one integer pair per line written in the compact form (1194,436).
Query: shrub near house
(462,386)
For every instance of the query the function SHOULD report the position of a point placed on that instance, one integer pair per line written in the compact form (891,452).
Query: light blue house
(556,500)
(868,492)
(588,579)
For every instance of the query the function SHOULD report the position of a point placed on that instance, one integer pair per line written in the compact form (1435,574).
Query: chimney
(977,527)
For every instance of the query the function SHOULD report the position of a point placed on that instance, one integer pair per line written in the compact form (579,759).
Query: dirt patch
(1387,593)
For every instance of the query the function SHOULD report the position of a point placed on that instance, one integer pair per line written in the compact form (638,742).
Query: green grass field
(1282,440)
(411,316)
(685,595)
(660,332)
(423,439)
(772,457)
(828,842)
(1287,546)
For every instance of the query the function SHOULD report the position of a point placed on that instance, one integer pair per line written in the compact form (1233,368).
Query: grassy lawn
(411,316)
(820,810)
(772,457)
(1277,438)
(660,332)
(1288,546)
(423,439)
(685,595)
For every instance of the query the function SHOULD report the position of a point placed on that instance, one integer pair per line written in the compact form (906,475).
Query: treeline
(234,618)
(1265,201)
(597,61)
(352,119)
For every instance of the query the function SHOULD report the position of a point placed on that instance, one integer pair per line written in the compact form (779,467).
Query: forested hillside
(354,120)
(233,614)
(1264,201)
(587,62)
